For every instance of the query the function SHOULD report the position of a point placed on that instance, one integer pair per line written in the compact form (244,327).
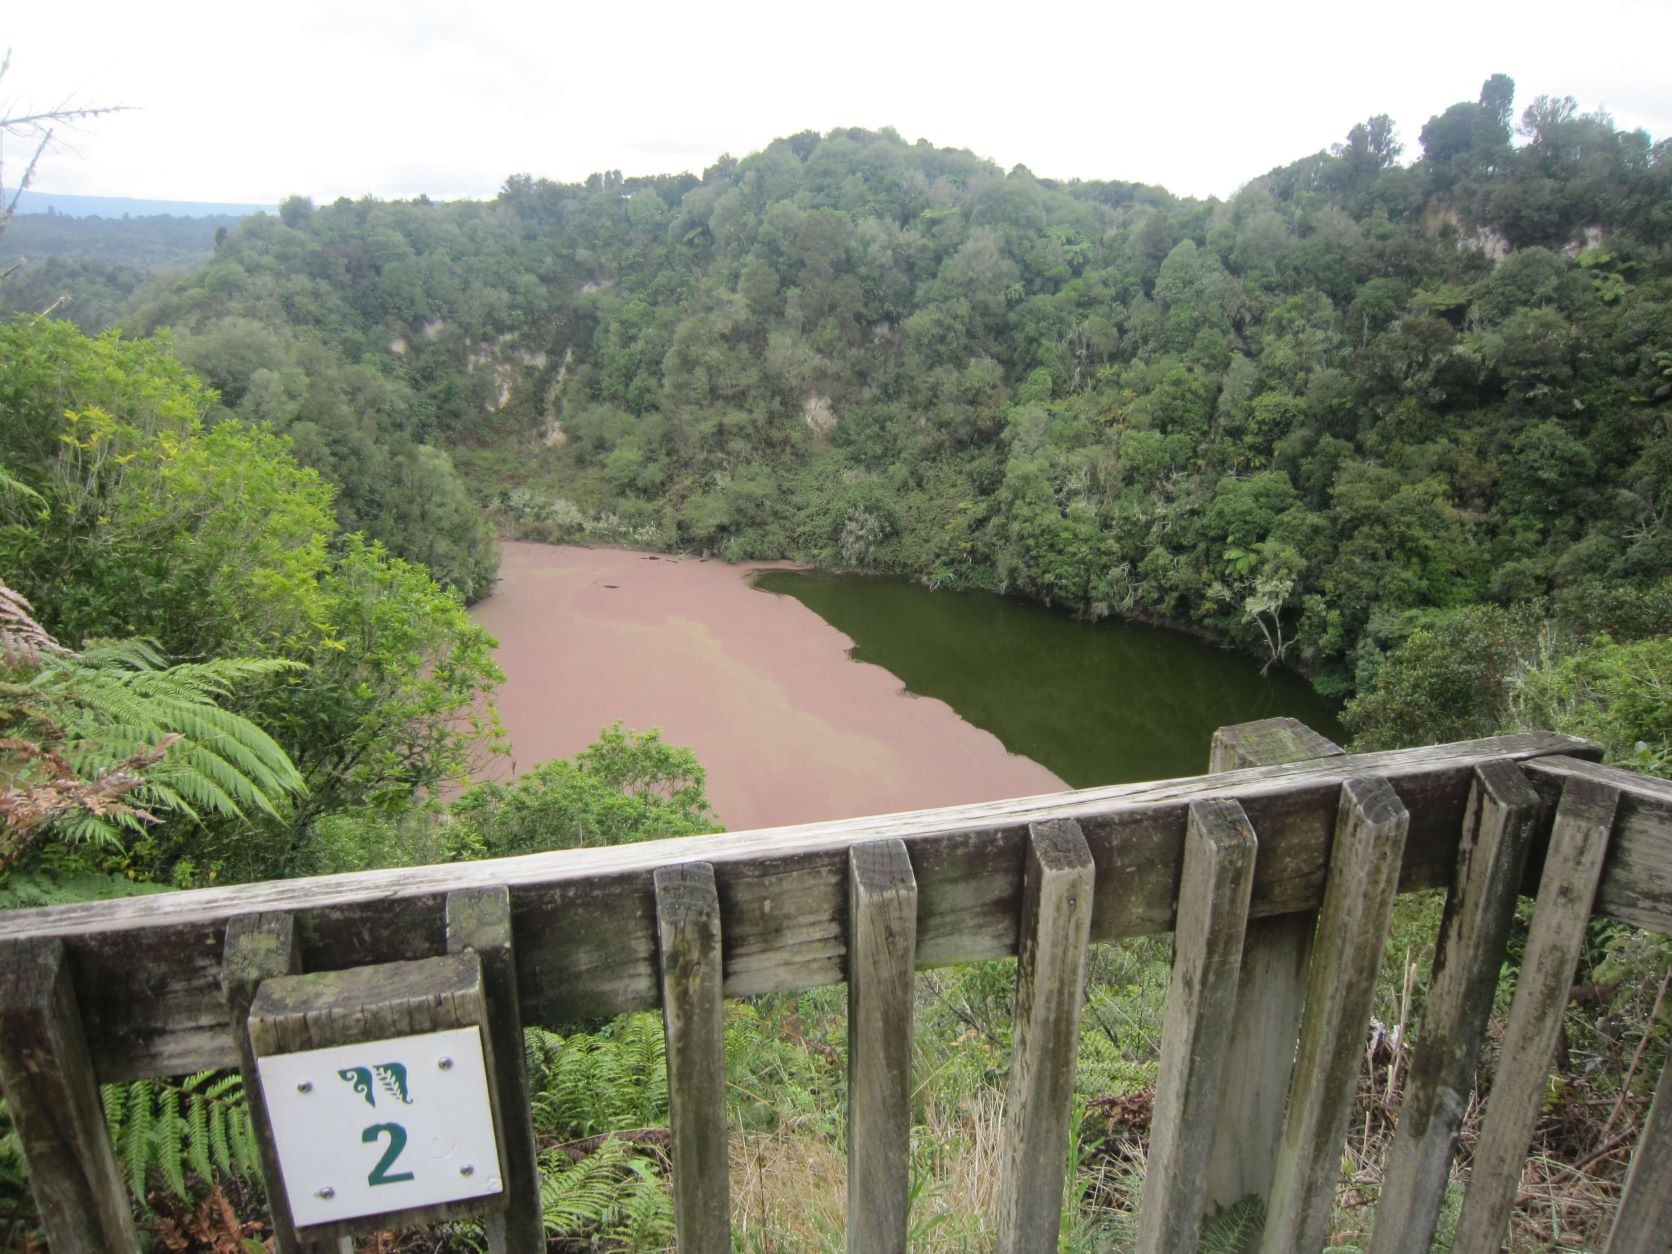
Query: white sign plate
(382,1126)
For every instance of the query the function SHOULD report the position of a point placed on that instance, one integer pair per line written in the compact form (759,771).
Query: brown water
(790,729)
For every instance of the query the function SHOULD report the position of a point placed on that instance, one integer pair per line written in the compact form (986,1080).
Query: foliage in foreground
(600,1100)
(625,786)
(97,745)
(1597,665)
(128,515)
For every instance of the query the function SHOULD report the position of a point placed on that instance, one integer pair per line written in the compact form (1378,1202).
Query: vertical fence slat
(479,919)
(693,1012)
(1218,877)
(1470,950)
(1644,1221)
(1555,941)
(882,951)
(258,947)
(1052,949)
(50,1090)
(1353,925)
(1276,953)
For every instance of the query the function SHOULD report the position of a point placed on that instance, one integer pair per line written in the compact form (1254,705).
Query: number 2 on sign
(397,1142)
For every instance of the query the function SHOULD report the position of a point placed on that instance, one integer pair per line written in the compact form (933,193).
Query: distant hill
(84,256)
(142,240)
(33,202)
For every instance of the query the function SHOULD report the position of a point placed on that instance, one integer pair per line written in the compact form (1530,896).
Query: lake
(1108,702)
(811,696)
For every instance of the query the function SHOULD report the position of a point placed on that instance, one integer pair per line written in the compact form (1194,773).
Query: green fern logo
(388,1076)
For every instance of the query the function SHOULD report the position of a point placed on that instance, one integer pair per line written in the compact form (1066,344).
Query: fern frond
(1234,1229)
(200,1125)
(116,720)
(136,1142)
(575,1197)
(197,1127)
(27,889)
(220,1144)
(23,641)
(613,1196)
(133,654)
(168,1149)
(244,1149)
(114,1099)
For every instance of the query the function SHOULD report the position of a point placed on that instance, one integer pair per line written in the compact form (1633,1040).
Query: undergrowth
(600,1110)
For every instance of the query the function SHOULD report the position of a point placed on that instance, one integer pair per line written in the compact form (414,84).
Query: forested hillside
(1304,420)
(88,268)
(1356,390)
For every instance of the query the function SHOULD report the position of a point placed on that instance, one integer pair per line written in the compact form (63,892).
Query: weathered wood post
(1645,1214)
(378,1085)
(693,1015)
(882,956)
(257,947)
(479,922)
(1555,943)
(1276,953)
(1364,863)
(1467,956)
(1214,890)
(50,1090)
(1051,955)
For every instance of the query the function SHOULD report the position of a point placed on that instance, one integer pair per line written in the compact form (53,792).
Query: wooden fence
(1276,874)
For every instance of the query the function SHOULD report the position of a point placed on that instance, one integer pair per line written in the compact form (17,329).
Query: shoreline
(789,727)
(1148,618)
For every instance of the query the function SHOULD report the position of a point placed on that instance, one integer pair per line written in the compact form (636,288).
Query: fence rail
(1277,880)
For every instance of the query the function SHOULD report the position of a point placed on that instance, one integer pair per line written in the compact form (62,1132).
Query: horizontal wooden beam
(1636,885)
(147,970)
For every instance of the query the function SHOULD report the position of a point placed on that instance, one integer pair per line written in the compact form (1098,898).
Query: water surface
(1097,703)
(788,726)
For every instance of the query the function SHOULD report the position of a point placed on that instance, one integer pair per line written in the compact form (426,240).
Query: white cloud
(247,103)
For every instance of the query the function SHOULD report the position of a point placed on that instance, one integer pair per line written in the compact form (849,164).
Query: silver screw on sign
(446,1064)
(325,1194)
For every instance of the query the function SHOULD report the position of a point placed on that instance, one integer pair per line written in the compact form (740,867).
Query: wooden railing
(1276,875)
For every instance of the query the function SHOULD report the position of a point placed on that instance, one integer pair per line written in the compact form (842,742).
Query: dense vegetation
(1407,428)
(87,269)
(129,515)
(1356,394)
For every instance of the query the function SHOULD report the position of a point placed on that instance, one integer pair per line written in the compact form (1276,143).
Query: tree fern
(107,740)
(22,639)
(217,761)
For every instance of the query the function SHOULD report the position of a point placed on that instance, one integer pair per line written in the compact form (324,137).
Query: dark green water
(1098,703)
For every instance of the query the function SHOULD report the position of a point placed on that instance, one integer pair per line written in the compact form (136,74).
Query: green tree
(393,703)
(1452,680)
(624,786)
(137,519)
(209,540)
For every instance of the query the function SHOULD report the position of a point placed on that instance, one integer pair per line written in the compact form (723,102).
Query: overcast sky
(250,103)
